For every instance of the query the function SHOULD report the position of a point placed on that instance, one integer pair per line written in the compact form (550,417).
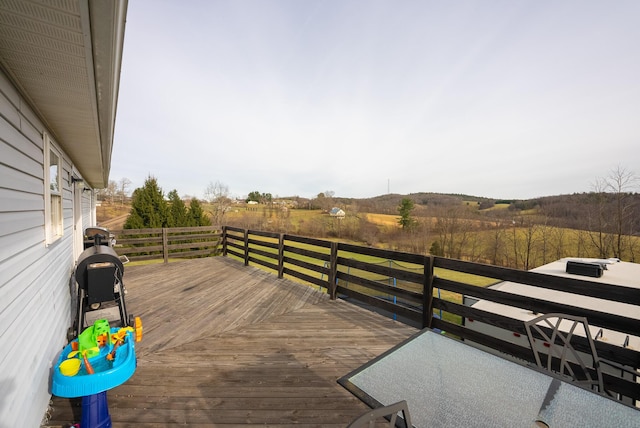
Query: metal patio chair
(552,339)
(556,352)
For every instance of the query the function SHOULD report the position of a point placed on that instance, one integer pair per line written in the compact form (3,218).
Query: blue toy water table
(92,387)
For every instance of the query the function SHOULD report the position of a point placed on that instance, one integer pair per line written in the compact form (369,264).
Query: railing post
(333,271)
(246,247)
(165,244)
(427,292)
(281,256)
(224,241)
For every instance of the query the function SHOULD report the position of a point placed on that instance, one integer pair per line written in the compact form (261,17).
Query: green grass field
(483,241)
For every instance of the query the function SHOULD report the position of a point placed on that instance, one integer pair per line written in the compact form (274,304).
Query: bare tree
(581,246)
(559,241)
(514,243)
(545,234)
(611,214)
(452,230)
(464,237)
(123,189)
(474,246)
(110,191)
(598,218)
(530,241)
(496,244)
(621,183)
(217,195)
(325,200)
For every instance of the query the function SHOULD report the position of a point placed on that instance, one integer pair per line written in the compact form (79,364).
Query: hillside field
(475,237)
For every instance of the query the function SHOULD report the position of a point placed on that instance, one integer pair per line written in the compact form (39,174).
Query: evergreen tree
(179,217)
(405,208)
(148,207)
(435,249)
(197,217)
(254,196)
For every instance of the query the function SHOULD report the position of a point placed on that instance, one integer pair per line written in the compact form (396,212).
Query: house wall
(35,296)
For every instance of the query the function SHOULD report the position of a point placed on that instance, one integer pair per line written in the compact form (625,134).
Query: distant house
(59,79)
(337,212)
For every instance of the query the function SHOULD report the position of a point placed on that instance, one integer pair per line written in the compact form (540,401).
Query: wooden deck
(229,345)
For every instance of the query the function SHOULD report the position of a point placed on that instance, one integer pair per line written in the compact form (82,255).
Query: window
(52,192)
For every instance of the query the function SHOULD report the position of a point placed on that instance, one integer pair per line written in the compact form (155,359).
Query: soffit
(64,57)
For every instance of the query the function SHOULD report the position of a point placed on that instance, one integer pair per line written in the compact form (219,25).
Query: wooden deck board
(229,345)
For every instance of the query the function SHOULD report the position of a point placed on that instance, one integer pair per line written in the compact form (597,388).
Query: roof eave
(64,59)
(106,22)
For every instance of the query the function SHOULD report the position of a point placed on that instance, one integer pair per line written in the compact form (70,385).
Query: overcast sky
(503,99)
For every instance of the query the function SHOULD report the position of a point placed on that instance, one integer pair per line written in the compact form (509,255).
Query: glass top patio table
(447,383)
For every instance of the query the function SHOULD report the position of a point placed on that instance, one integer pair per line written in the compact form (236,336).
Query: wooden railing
(436,292)
(165,243)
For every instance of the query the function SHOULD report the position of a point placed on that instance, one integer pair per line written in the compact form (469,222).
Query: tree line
(603,223)
(150,209)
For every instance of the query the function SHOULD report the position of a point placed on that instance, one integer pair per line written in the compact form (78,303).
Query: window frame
(53,207)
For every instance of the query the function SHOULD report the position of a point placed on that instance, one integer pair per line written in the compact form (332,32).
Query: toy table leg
(95,412)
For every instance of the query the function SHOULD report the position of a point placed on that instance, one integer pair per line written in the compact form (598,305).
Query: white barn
(337,212)
(59,79)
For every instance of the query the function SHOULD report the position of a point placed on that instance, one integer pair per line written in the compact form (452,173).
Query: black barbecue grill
(99,273)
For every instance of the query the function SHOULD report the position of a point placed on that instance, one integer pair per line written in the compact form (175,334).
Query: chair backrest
(552,338)
(369,418)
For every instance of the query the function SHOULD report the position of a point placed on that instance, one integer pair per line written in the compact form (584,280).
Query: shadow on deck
(226,344)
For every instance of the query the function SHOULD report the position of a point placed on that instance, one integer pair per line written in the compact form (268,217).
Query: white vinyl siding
(35,303)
